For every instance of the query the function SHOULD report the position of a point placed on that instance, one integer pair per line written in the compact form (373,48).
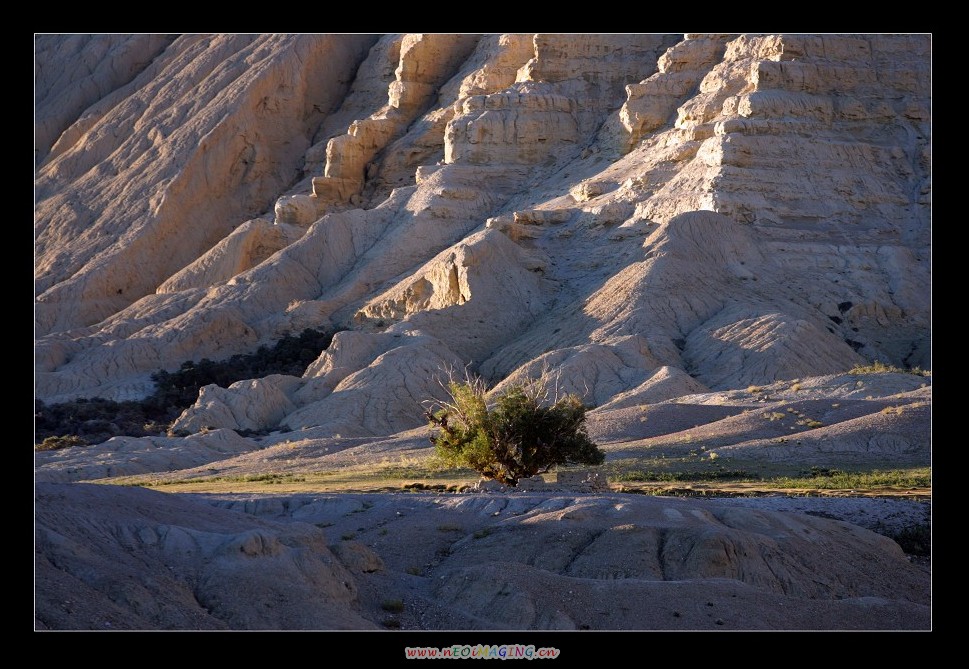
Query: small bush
(915,540)
(57,443)
(521,435)
(392,605)
(448,527)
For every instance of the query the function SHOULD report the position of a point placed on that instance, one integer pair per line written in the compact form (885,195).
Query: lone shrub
(521,435)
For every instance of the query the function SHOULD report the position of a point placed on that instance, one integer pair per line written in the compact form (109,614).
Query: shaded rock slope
(123,558)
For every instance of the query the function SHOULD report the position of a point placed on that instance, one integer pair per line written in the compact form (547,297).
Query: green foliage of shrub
(521,435)
(290,355)
(914,540)
(56,443)
(392,605)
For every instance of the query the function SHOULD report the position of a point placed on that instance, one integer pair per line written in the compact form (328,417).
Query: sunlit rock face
(647,215)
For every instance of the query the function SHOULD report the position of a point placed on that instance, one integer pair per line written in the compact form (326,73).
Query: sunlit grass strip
(920,477)
(818,477)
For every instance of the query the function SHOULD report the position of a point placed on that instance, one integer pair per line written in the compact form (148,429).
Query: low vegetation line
(92,421)
(413,479)
(817,477)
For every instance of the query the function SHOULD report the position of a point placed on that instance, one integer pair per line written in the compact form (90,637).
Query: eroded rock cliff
(649,215)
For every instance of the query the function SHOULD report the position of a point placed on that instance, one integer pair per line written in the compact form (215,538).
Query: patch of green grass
(836,479)
(268,479)
(777,476)
(348,536)
(482,533)
(430,468)
(774,415)
(271,478)
(686,476)
(413,571)
(392,605)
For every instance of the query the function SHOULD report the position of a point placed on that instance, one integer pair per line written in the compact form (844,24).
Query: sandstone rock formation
(732,208)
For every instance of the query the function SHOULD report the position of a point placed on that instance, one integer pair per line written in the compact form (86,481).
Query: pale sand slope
(111,557)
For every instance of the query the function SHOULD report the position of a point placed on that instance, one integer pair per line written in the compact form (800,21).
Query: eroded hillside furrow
(220,131)
(75,71)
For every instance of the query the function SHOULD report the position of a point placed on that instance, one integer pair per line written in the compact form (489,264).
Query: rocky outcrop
(425,63)
(244,405)
(641,214)
(128,558)
(650,104)
(636,546)
(245,247)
